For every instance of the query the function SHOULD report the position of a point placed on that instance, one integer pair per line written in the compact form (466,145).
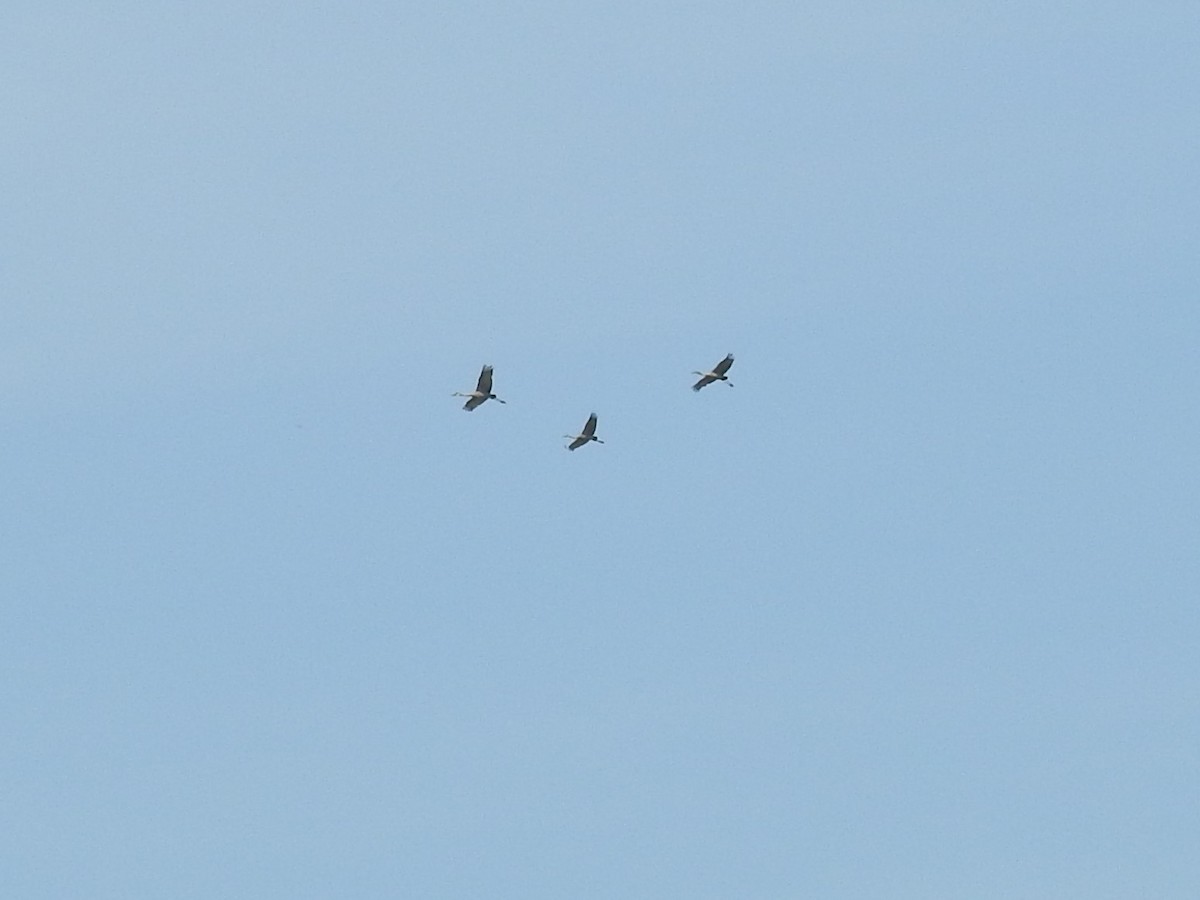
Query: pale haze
(908,612)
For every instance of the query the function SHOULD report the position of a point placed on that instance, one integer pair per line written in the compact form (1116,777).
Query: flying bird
(588,434)
(482,392)
(717,374)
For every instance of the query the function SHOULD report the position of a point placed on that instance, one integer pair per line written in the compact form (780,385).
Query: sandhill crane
(588,434)
(717,374)
(482,392)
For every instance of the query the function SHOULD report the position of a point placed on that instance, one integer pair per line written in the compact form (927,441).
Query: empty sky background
(911,611)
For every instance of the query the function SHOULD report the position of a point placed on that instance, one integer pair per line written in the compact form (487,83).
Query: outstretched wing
(723,366)
(707,379)
(577,443)
(484,385)
(473,402)
(590,428)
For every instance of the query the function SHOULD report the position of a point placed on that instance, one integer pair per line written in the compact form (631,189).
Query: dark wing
(577,443)
(723,366)
(473,402)
(590,428)
(707,379)
(485,381)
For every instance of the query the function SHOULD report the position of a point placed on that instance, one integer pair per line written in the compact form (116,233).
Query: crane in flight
(482,392)
(588,434)
(717,373)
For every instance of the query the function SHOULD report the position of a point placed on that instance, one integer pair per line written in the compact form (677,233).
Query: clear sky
(909,612)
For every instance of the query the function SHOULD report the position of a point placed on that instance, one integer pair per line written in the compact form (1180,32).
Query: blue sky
(911,611)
